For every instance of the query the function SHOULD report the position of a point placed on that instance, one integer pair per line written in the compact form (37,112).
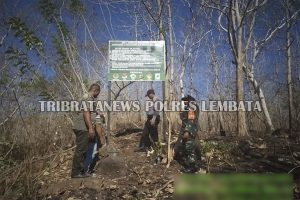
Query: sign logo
(157,76)
(149,76)
(115,76)
(133,76)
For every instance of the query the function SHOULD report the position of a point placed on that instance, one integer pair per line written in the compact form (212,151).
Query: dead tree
(240,18)
(289,64)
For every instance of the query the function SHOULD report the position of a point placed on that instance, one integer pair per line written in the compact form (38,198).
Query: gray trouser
(80,151)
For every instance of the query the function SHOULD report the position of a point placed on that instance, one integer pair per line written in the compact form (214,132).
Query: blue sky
(99,16)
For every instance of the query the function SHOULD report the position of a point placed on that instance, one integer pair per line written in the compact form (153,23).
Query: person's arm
(155,112)
(152,121)
(89,124)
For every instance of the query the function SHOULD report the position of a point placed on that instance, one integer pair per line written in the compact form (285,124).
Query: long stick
(108,112)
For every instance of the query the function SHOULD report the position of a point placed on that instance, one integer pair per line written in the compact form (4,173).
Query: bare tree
(289,63)
(240,18)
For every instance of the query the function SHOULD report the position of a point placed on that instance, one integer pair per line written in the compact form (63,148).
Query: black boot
(189,170)
(141,149)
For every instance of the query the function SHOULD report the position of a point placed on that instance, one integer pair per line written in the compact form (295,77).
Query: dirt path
(132,175)
(129,175)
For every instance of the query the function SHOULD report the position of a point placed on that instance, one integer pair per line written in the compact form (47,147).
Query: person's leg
(80,152)
(191,156)
(153,131)
(179,150)
(95,158)
(89,154)
(145,142)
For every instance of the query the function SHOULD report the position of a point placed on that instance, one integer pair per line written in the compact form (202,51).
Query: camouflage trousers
(187,153)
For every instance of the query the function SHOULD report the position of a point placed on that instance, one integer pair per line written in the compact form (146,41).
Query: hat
(188,98)
(151,91)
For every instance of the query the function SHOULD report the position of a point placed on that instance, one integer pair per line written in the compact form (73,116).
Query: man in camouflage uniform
(186,151)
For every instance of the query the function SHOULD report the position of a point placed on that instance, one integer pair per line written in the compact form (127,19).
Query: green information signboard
(136,61)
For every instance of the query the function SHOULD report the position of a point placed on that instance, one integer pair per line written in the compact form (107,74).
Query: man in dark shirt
(150,132)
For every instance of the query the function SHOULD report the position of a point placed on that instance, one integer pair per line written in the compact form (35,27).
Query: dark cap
(188,98)
(151,91)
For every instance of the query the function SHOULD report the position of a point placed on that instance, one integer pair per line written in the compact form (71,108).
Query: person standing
(186,152)
(150,133)
(83,127)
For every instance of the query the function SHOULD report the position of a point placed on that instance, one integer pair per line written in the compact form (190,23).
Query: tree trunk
(164,83)
(169,88)
(241,117)
(261,97)
(289,68)
(181,80)
(216,85)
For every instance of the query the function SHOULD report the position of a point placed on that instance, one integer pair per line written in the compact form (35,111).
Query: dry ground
(132,175)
